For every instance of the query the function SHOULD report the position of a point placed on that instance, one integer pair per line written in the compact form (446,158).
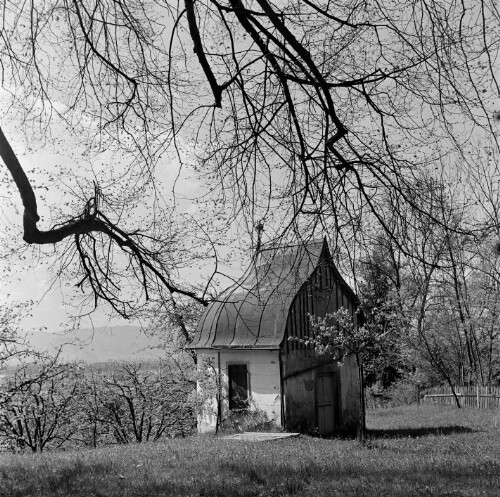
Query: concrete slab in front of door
(253,436)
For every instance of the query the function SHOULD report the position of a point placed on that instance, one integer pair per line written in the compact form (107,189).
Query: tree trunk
(457,400)
(361,428)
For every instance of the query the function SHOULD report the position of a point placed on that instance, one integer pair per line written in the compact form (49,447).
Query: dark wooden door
(326,400)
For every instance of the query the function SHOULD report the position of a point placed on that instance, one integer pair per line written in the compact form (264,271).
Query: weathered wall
(324,292)
(349,395)
(264,384)
(299,373)
(300,368)
(300,413)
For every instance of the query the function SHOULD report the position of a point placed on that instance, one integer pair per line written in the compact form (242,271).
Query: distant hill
(118,343)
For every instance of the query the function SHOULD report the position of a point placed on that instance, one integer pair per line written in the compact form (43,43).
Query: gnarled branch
(91,221)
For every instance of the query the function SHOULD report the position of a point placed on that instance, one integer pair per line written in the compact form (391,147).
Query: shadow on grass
(419,432)
(64,481)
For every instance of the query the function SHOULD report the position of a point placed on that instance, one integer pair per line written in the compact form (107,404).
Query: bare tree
(444,276)
(38,406)
(305,113)
(138,403)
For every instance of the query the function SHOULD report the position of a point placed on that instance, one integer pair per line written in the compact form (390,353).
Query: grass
(412,451)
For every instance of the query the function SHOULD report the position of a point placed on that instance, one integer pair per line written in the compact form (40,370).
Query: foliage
(250,419)
(383,360)
(404,391)
(339,333)
(413,450)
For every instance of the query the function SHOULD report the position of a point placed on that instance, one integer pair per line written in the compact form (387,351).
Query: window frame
(236,404)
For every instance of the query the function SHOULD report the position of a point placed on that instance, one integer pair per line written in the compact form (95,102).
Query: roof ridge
(314,241)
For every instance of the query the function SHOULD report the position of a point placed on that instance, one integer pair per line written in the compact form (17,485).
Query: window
(238,386)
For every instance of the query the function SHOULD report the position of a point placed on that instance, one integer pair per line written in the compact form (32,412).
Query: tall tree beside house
(442,275)
(484,290)
(379,279)
(304,113)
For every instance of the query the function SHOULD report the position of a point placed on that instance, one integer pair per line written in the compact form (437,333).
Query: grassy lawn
(415,450)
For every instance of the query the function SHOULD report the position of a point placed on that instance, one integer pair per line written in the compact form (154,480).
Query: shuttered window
(238,386)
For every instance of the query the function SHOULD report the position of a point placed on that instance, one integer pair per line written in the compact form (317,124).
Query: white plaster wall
(264,383)
(264,378)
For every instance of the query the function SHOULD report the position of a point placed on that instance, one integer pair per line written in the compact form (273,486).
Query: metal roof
(253,312)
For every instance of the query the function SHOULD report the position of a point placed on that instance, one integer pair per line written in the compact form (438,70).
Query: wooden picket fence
(478,397)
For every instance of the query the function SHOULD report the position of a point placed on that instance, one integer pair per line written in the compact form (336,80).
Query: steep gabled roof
(253,313)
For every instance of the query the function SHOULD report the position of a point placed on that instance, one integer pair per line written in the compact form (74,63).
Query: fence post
(477,397)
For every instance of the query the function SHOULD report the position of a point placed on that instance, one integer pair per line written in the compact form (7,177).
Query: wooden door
(326,403)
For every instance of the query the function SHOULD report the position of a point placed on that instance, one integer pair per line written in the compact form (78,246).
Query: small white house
(243,341)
